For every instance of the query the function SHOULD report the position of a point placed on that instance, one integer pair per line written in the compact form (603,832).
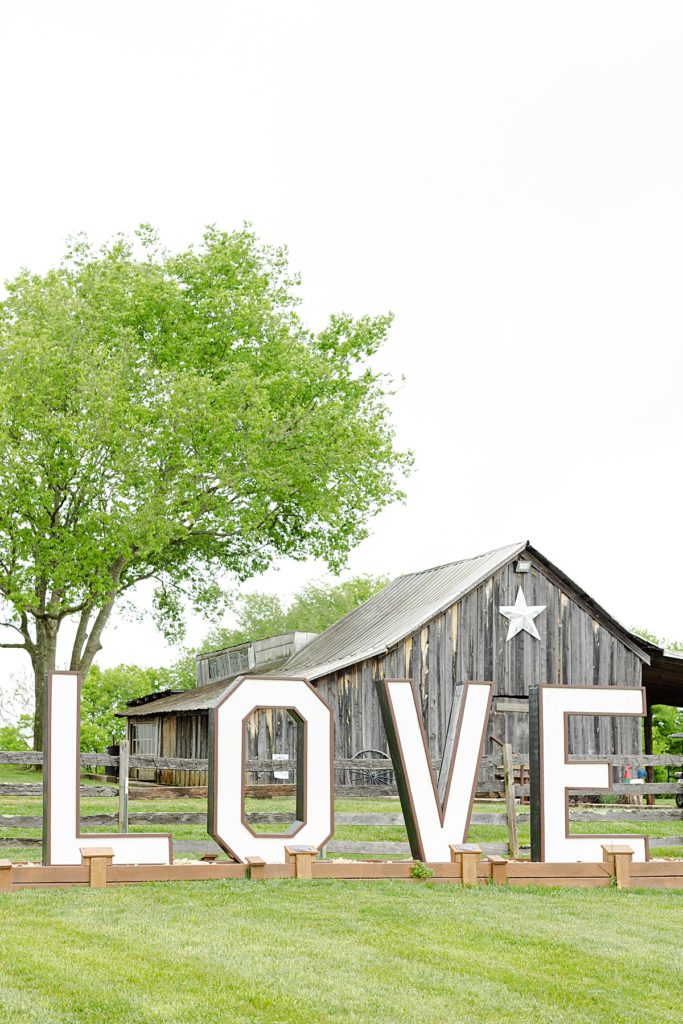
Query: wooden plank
(279,871)
(544,869)
(5,875)
(498,869)
(119,873)
(656,868)
(510,804)
(384,849)
(39,875)
(620,789)
(368,869)
(36,789)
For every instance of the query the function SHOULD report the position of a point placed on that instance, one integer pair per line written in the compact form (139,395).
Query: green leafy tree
(170,417)
(105,691)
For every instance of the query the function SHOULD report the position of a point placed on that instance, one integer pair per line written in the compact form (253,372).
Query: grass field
(376,953)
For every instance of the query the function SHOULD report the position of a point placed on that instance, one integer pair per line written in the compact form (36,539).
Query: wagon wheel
(372,776)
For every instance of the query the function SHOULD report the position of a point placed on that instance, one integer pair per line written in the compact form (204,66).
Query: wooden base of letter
(468,856)
(98,860)
(303,857)
(619,859)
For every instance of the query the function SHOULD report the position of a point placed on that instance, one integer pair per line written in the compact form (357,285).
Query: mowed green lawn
(306,952)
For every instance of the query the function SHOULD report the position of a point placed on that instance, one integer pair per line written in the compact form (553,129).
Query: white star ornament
(521,616)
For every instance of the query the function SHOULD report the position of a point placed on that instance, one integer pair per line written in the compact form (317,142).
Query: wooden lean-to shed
(509,616)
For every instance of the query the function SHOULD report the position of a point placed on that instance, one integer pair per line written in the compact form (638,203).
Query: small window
(143,738)
(229,663)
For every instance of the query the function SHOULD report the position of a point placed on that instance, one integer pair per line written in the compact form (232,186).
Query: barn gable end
(441,628)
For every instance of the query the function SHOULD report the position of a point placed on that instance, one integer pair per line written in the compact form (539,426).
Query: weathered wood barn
(509,616)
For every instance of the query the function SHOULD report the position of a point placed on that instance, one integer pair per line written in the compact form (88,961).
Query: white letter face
(315,778)
(432,827)
(558,775)
(61,789)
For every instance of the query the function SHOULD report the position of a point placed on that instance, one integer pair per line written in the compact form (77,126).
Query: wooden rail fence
(510,818)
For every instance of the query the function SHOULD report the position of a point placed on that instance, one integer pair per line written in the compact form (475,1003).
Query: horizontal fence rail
(199,764)
(509,819)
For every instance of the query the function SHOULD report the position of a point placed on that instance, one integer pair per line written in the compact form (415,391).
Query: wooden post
(98,859)
(619,859)
(647,730)
(535,773)
(303,857)
(123,785)
(256,868)
(510,802)
(499,869)
(5,876)
(468,856)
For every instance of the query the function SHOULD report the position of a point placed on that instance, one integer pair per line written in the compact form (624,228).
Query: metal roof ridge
(459,561)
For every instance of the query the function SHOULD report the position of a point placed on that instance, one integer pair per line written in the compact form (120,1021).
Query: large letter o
(226,767)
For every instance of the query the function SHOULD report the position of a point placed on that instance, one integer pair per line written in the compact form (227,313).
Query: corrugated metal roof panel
(401,608)
(200,698)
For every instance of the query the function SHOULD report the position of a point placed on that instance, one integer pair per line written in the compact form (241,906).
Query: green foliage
(420,870)
(14,737)
(312,609)
(170,417)
(105,691)
(665,720)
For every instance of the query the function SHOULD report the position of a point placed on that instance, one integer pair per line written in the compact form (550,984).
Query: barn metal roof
(401,608)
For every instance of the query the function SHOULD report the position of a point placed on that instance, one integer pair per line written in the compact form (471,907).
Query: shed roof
(199,698)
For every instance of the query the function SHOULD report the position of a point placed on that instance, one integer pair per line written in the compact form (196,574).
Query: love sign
(436,814)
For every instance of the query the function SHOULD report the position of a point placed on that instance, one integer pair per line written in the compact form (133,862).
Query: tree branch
(80,638)
(93,645)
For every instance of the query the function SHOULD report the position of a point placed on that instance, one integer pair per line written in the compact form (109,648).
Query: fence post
(123,786)
(535,773)
(510,803)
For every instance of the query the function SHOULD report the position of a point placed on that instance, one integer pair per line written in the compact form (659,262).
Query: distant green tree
(312,609)
(105,691)
(666,720)
(14,737)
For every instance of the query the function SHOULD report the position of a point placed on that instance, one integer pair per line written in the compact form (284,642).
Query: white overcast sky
(506,177)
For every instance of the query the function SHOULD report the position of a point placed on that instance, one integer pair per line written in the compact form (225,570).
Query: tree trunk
(44,660)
